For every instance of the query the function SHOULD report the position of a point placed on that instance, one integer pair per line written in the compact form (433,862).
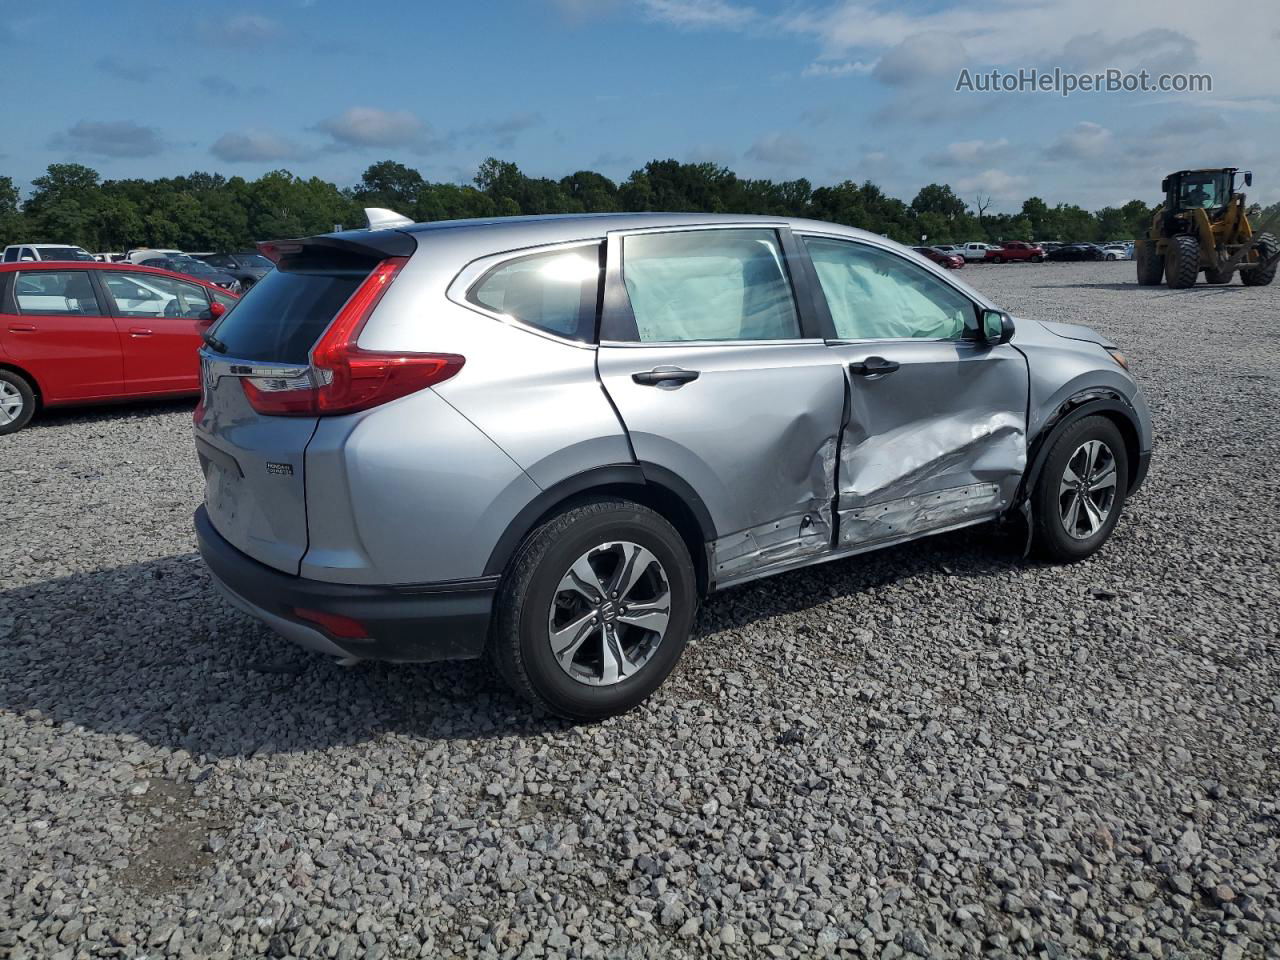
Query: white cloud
(780,150)
(256,146)
(372,127)
(109,138)
(1085,141)
(241,30)
(997,183)
(845,68)
(699,13)
(969,153)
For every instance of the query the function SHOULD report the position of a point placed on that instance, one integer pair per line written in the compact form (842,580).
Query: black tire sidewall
(560,691)
(28,402)
(1054,541)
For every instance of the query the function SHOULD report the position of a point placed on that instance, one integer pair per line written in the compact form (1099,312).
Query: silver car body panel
(533,394)
(384,511)
(253,465)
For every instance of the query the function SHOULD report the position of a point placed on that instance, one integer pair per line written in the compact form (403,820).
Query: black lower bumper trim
(410,622)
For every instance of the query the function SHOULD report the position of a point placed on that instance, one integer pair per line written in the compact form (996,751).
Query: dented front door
(935,436)
(935,431)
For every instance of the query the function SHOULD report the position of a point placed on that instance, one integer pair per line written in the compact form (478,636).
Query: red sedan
(73,333)
(1016,250)
(952,261)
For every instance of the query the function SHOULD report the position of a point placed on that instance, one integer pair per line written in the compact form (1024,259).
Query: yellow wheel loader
(1202,226)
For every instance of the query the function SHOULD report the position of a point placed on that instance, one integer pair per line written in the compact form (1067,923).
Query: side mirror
(1164,185)
(1248,178)
(997,327)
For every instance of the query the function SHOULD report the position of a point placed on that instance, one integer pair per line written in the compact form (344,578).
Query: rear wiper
(213,342)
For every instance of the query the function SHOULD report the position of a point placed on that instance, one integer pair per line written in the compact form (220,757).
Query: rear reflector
(344,378)
(334,624)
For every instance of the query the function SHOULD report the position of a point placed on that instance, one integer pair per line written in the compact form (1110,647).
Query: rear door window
(284,313)
(709,285)
(145,295)
(56,293)
(554,291)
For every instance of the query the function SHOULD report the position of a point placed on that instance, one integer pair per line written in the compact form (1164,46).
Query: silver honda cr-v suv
(545,439)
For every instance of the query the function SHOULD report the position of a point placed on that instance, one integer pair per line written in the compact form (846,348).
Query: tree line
(71,203)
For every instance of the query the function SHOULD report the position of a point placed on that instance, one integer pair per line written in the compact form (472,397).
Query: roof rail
(380,218)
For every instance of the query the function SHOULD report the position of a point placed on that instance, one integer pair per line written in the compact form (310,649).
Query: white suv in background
(36,252)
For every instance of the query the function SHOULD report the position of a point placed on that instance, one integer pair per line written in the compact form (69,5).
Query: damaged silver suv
(544,439)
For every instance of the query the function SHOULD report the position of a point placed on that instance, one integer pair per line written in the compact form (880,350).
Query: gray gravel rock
(933,751)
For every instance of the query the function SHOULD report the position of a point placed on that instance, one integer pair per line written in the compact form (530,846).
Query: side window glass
(56,293)
(554,291)
(144,295)
(709,285)
(877,295)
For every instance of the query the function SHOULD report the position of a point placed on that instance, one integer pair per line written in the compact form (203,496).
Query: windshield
(1205,190)
(63,253)
(191,265)
(254,260)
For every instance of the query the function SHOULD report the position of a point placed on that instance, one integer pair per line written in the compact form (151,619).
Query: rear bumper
(406,622)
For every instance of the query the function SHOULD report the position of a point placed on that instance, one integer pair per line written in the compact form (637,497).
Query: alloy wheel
(1087,491)
(610,613)
(11,403)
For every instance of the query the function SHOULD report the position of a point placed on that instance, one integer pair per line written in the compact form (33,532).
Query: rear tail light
(345,378)
(334,624)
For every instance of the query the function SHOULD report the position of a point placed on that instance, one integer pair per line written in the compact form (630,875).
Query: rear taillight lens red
(334,624)
(344,378)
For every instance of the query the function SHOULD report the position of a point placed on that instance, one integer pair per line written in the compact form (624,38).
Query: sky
(824,89)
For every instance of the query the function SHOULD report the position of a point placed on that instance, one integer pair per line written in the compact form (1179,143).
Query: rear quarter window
(555,291)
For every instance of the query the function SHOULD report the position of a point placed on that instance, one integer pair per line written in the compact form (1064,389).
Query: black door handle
(660,375)
(874,367)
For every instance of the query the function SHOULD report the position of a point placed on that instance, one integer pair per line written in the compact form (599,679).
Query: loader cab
(1208,189)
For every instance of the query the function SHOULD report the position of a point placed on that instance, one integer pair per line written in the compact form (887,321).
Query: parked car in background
(248,268)
(40,252)
(1076,251)
(92,332)
(1015,250)
(181,263)
(952,261)
(975,252)
(1117,251)
(142,254)
(610,416)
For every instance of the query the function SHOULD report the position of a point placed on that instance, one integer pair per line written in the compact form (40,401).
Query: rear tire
(1068,477)
(1267,246)
(17,402)
(1037,259)
(1149,262)
(560,580)
(1182,262)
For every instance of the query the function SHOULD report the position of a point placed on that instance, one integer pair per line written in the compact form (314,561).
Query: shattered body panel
(941,440)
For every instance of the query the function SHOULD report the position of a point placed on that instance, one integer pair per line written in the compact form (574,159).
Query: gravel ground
(934,751)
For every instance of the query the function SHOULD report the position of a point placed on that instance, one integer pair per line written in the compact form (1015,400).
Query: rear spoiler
(366,243)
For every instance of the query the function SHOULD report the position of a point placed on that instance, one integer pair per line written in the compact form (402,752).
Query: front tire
(1267,247)
(17,402)
(595,610)
(1182,262)
(1080,492)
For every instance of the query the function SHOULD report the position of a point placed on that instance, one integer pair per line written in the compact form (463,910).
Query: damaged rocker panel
(919,514)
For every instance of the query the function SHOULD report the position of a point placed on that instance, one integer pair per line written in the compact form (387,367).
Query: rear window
(284,313)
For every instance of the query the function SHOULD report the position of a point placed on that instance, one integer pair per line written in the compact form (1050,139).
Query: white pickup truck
(974,251)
